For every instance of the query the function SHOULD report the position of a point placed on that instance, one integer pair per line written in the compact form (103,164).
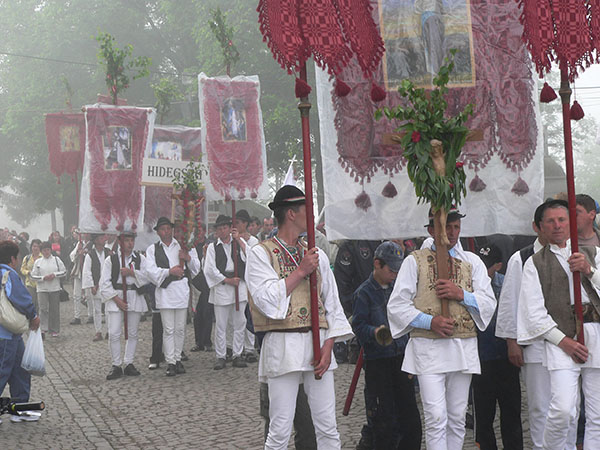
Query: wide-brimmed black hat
(453,214)
(163,221)
(286,196)
(242,214)
(128,233)
(223,220)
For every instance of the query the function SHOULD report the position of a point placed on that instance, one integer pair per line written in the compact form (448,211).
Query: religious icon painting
(118,137)
(65,135)
(232,134)
(170,150)
(116,143)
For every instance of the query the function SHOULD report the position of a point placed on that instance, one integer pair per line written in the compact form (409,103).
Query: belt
(130,287)
(293,330)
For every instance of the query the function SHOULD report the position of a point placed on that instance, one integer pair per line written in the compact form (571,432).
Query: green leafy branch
(165,91)
(190,178)
(424,117)
(114,61)
(224,36)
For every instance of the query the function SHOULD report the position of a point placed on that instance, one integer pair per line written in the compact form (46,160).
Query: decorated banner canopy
(232,134)
(173,146)
(112,198)
(363,167)
(65,136)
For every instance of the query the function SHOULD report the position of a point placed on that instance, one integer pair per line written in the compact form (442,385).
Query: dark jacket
(370,311)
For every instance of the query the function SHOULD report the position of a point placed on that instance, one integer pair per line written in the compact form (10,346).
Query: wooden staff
(353,383)
(124,281)
(235,258)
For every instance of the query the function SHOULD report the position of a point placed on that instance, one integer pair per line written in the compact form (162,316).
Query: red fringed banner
(232,134)
(112,198)
(65,135)
(169,142)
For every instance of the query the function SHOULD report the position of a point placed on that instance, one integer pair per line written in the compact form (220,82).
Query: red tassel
(302,88)
(363,201)
(576,111)
(477,184)
(377,93)
(520,187)
(341,88)
(548,94)
(389,190)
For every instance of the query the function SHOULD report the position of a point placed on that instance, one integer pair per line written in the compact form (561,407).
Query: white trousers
(283,391)
(564,401)
(173,321)
(248,341)
(96,304)
(78,295)
(222,314)
(115,330)
(444,397)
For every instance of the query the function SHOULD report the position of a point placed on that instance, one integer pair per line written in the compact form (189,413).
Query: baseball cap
(391,253)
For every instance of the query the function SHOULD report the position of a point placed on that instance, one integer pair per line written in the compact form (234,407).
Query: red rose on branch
(416,136)
(459,164)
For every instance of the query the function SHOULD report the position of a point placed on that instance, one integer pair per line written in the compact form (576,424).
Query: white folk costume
(90,278)
(286,354)
(544,316)
(76,257)
(444,366)
(172,294)
(218,265)
(248,335)
(111,286)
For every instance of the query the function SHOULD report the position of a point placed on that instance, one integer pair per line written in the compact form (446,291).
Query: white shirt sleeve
(194,263)
(506,324)
(154,273)
(211,273)
(86,272)
(106,288)
(401,308)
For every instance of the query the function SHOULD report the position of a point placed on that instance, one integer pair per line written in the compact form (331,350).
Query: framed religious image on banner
(233,120)
(65,136)
(419,34)
(69,138)
(116,143)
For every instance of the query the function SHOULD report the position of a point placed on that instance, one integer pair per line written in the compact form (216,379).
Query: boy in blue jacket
(395,417)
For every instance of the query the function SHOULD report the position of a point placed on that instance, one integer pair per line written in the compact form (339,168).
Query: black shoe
(237,362)
(131,371)
(179,369)
(209,348)
(220,364)
(184,357)
(90,320)
(75,322)
(197,348)
(250,357)
(171,370)
(115,372)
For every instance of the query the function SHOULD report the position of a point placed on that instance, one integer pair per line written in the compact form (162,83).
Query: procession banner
(112,197)
(172,148)
(232,134)
(65,136)
(367,192)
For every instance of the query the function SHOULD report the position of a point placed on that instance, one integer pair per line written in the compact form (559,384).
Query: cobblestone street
(202,409)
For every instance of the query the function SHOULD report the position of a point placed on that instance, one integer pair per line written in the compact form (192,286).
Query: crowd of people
(248,280)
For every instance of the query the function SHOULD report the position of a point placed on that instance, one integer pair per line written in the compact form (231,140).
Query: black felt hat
(223,220)
(453,214)
(242,214)
(286,196)
(163,221)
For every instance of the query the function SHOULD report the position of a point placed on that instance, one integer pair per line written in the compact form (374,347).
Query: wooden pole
(304,107)
(354,382)
(565,96)
(235,259)
(124,281)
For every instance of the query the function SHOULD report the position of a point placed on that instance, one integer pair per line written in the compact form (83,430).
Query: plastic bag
(34,359)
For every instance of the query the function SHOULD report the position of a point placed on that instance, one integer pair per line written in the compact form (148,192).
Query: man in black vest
(546,313)
(221,279)
(168,266)
(203,316)
(90,279)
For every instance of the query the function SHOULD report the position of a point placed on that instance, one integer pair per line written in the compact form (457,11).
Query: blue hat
(391,253)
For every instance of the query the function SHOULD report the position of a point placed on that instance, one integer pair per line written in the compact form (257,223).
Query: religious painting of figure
(170,150)
(233,120)
(116,143)
(419,34)
(69,138)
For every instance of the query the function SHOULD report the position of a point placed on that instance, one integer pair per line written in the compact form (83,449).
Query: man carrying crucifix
(545,313)
(277,274)
(442,351)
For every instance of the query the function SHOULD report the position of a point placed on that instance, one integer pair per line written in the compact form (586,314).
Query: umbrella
(332,32)
(566,32)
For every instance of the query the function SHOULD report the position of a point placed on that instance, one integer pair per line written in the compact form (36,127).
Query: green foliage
(114,61)
(166,91)
(190,178)
(425,119)
(224,36)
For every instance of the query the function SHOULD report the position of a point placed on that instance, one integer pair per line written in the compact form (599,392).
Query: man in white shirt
(111,289)
(442,351)
(90,279)
(221,279)
(76,256)
(164,268)
(277,273)
(545,314)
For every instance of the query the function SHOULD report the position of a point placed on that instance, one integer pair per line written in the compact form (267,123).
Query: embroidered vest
(427,302)
(298,313)
(555,287)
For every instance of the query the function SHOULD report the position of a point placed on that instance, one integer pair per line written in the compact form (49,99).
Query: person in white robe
(443,365)
(564,357)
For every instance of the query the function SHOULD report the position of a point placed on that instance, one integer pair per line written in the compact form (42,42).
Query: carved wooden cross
(439,221)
